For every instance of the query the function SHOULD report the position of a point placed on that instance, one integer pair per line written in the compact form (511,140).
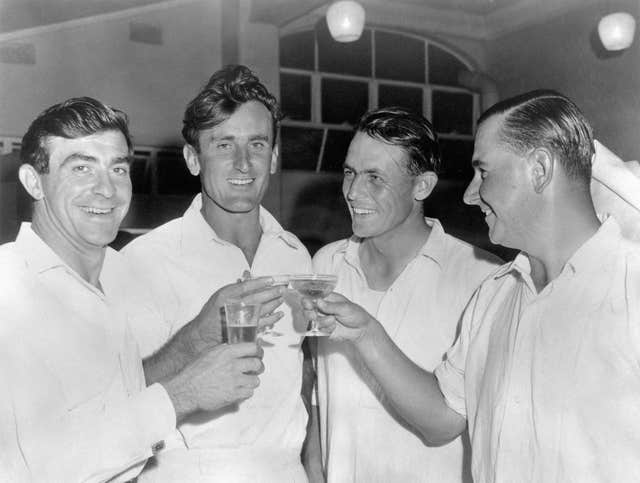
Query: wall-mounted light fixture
(616,30)
(345,19)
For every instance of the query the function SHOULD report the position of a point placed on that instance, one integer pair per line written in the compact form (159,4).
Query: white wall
(152,83)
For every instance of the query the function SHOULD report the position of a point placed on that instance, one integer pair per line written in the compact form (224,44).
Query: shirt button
(156,448)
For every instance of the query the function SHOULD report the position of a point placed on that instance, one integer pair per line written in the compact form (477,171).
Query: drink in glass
(315,287)
(242,321)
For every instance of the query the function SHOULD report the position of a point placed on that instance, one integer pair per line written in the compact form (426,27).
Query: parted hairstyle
(412,132)
(74,118)
(226,90)
(546,118)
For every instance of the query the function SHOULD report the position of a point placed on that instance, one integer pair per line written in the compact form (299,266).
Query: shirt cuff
(156,414)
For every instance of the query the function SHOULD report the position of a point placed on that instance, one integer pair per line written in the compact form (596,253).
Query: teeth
(240,181)
(97,211)
(361,211)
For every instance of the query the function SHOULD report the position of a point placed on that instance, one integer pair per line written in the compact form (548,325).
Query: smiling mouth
(240,181)
(97,211)
(362,211)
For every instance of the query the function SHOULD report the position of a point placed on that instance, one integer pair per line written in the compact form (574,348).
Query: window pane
(173,176)
(456,159)
(444,67)
(140,179)
(297,50)
(295,95)
(343,100)
(300,147)
(407,97)
(335,150)
(452,112)
(352,58)
(399,57)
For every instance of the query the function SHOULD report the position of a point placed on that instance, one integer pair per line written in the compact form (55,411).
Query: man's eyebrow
(92,159)
(259,137)
(367,171)
(78,157)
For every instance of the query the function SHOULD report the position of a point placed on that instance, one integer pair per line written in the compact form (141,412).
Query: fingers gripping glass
(314,287)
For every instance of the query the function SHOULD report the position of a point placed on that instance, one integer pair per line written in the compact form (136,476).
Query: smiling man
(230,132)
(404,269)
(545,369)
(75,404)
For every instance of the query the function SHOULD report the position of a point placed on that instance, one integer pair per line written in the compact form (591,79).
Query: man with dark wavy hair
(403,268)
(230,132)
(545,369)
(77,403)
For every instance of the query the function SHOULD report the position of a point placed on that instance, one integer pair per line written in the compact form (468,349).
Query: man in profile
(230,130)
(545,369)
(403,268)
(77,404)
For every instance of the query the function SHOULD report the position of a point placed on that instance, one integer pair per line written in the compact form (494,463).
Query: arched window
(325,86)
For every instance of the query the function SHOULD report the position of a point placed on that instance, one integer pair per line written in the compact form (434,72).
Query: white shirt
(184,262)
(73,402)
(550,382)
(362,439)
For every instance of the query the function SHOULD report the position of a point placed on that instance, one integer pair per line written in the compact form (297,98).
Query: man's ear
(542,165)
(31,181)
(191,158)
(424,185)
(274,160)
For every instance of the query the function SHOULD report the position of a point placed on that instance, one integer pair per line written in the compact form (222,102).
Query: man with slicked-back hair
(545,370)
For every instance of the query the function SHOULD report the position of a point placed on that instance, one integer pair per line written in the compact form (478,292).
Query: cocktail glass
(315,287)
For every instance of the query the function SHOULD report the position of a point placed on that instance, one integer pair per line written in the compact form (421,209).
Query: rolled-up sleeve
(451,372)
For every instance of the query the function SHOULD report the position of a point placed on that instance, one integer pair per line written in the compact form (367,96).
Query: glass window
(295,92)
(300,147)
(140,179)
(452,112)
(444,67)
(456,159)
(343,100)
(403,96)
(173,176)
(351,58)
(139,171)
(335,150)
(297,50)
(399,57)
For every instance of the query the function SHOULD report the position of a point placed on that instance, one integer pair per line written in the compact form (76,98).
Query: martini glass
(315,287)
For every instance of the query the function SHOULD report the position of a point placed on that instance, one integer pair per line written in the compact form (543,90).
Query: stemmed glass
(315,287)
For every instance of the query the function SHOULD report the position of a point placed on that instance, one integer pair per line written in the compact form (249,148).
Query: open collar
(195,231)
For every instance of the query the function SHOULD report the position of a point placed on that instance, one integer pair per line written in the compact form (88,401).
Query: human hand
(205,330)
(219,377)
(339,316)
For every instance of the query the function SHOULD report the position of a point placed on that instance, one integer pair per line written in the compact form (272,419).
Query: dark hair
(226,90)
(546,118)
(71,119)
(412,132)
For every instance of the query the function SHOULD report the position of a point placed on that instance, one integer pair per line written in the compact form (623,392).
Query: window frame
(373,84)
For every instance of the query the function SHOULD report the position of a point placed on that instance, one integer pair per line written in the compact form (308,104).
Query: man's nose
(471,194)
(353,188)
(104,184)
(241,160)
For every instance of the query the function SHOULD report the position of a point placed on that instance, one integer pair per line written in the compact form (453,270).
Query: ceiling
(19,15)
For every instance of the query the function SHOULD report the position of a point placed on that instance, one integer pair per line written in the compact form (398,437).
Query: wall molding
(103,17)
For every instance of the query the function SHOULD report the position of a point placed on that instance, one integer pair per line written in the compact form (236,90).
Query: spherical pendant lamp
(345,19)
(616,30)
